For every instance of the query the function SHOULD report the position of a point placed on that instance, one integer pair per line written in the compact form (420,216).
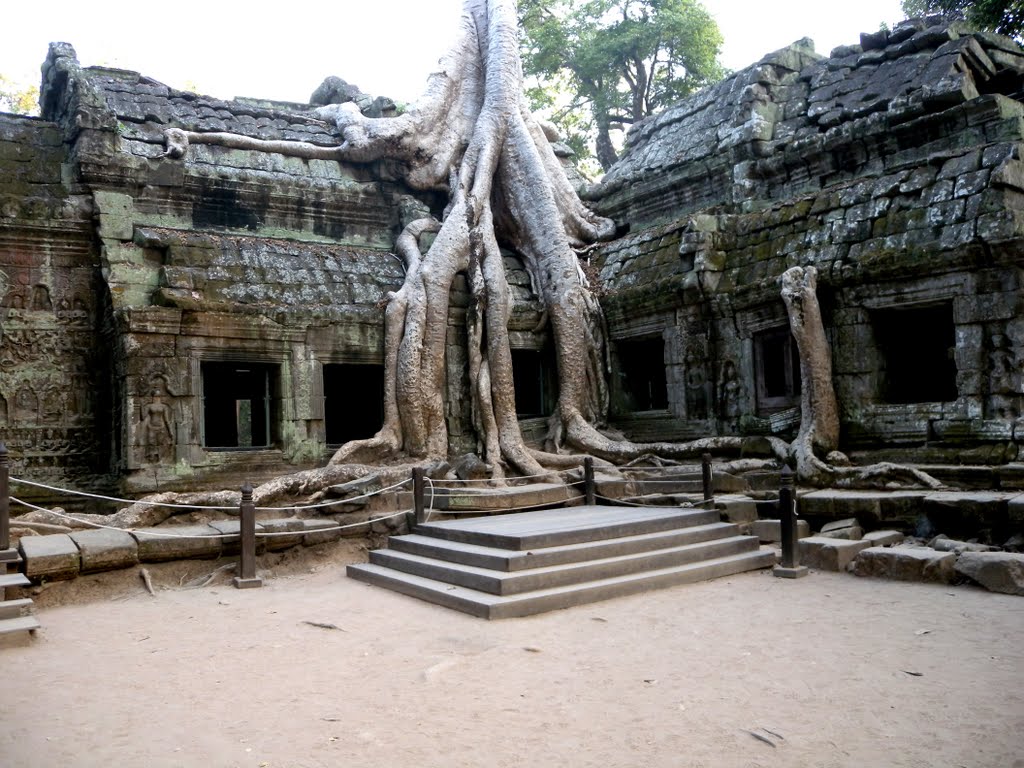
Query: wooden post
(7,555)
(590,497)
(247,578)
(705,476)
(419,511)
(790,567)
(5,501)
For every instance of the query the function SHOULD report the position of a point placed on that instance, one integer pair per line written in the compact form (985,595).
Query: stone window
(776,370)
(536,382)
(240,405)
(915,344)
(642,373)
(353,401)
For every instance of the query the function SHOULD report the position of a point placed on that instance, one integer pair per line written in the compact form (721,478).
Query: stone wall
(54,409)
(893,167)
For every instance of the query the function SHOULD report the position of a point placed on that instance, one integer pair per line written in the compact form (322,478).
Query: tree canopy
(17,99)
(1003,16)
(619,60)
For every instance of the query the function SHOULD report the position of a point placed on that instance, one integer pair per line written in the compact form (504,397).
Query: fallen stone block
(183,542)
(736,509)
(51,557)
(770,531)
(104,549)
(995,571)
(883,538)
(275,532)
(848,529)
(961,513)
(905,564)
(943,543)
(320,532)
(873,508)
(828,554)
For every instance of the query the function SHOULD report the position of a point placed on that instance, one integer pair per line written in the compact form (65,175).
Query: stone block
(178,543)
(883,538)
(995,571)
(274,532)
(966,512)
(827,554)
(1015,510)
(905,564)
(50,557)
(321,532)
(847,528)
(770,531)
(231,539)
(736,509)
(106,550)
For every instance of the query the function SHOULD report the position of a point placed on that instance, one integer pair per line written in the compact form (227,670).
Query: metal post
(790,567)
(419,510)
(705,476)
(5,499)
(590,496)
(247,578)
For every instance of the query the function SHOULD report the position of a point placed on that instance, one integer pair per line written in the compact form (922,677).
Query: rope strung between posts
(171,505)
(156,534)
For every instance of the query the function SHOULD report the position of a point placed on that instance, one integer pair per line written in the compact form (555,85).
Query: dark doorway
(916,346)
(642,373)
(777,370)
(239,405)
(353,401)
(535,376)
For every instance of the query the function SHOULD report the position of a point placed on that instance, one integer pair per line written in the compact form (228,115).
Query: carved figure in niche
(156,435)
(52,406)
(1004,379)
(41,298)
(696,388)
(26,405)
(729,390)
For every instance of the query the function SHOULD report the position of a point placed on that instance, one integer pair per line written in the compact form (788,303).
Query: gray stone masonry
(105,549)
(905,564)
(827,554)
(158,544)
(883,538)
(996,571)
(50,557)
(770,531)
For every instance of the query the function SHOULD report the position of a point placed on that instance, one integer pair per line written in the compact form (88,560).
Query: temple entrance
(239,410)
(353,402)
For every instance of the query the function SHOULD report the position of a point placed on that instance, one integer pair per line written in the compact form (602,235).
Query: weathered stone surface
(996,571)
(770,531)
(828,554)
(905,564)
(321,532)
(104,549)
(942,543)
(178,543)
(50,557)
(967,512)
(842,529)
(736,509)
(274,532)
(883,538)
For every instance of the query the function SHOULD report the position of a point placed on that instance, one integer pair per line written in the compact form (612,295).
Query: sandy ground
(830,670)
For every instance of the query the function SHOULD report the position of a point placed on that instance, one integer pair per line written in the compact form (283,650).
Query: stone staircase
(15,615)
(522,564)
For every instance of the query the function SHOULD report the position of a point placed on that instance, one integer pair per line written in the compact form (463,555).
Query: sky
(386,47)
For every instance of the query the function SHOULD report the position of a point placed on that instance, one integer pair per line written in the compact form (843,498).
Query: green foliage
(618,60)
(17,98)
(1003,16)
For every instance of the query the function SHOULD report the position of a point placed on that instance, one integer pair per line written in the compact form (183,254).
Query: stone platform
(527,563)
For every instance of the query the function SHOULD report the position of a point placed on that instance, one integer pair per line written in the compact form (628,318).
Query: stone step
(482,498)
(560,527)
(13,580)
(518,582)
(11,609)
(508,606)
(498,559)
(19,624)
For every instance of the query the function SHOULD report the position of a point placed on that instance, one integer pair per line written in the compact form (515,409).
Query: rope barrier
(232,508)
(259,534)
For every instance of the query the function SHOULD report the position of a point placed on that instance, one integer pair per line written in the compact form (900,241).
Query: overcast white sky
(386,47)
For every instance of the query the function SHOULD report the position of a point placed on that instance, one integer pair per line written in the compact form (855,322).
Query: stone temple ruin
(195,322)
